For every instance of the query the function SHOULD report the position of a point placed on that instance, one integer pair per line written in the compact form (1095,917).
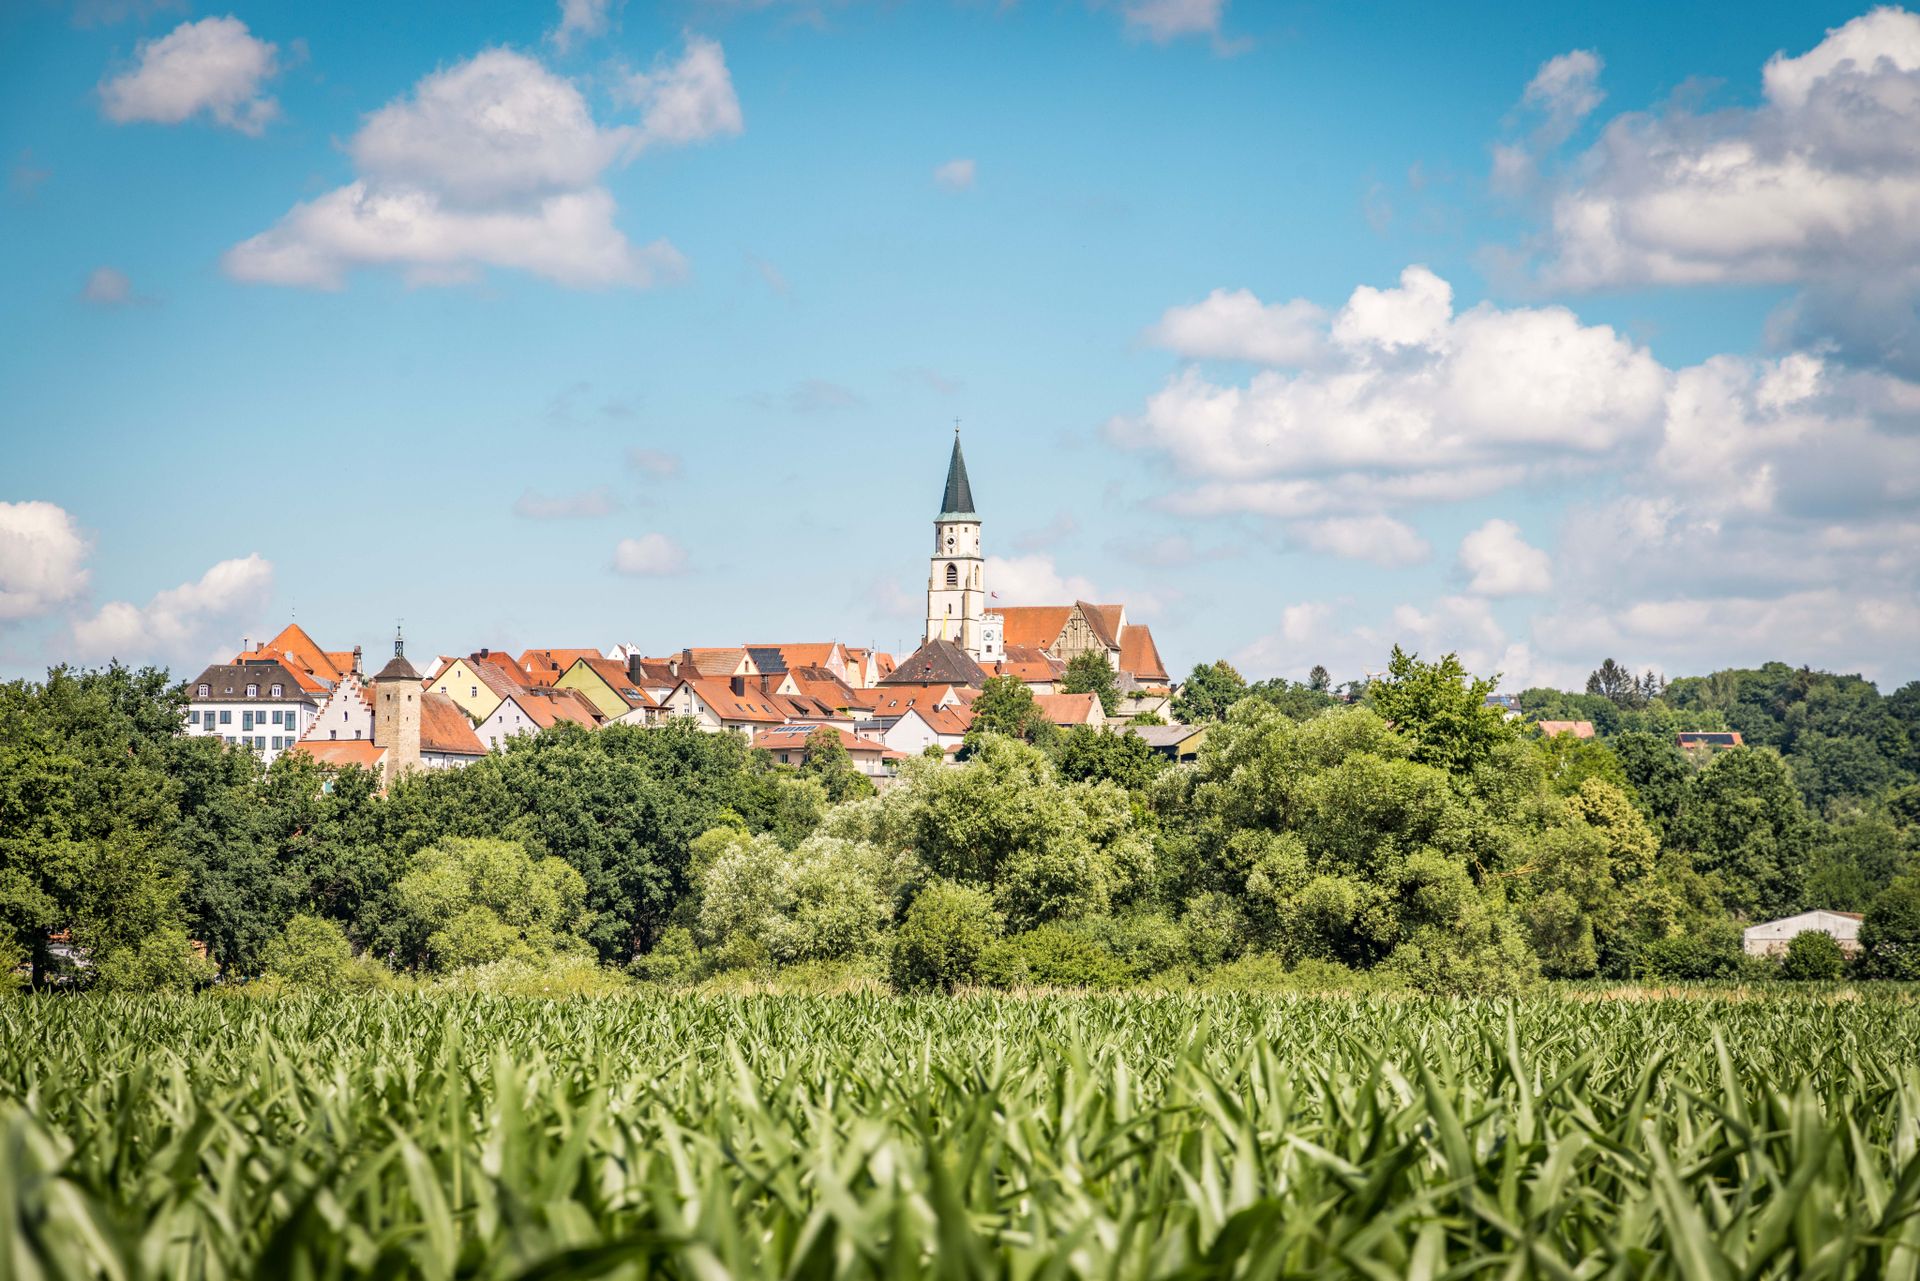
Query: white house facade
(258,704)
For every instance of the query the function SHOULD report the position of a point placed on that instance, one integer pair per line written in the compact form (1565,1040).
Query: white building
(257,703)
(1770,938)
(956,578)
(346,715)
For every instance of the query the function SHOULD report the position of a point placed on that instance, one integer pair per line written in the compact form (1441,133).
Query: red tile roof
(1139,655)
(544,666)
(1033,626)
(947,722)
(306,680)
(713,661)
(614,673)
(341,752)
(1104,620)
(445,728)
(894,700)
(729,706)
(294,641)
(794,737)
(1067,709)
(1579,729)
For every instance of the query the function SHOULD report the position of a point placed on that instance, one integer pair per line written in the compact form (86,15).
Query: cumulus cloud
(1409,401)
(42,559)
(1566,89)
(1817,185)
(1034,580)
(1377,538)
(1353,642)
(107,287)
(687,101)
(649,556)
(598,501)
(213,67)
(955,175)
(493,162)
(1499,562)
(1235,325)
(183,622)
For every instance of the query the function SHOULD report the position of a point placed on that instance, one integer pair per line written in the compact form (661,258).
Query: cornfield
(1130,1136)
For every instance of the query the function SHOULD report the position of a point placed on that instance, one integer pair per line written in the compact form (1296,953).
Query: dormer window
(205,690)
(276,691)
(253,691)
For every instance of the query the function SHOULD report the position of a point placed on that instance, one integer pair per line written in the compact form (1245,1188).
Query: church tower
(956,583)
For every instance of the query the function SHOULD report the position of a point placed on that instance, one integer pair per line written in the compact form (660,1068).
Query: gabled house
(918,727)
(346,715)
(1068,710)
(545,666)
(1033,667)
(1066,631)
(529,711)
(723,705)
(609,686)
(885,704)
(936,662)
(1175,742)
(1771,938)
(710,663)
(478,683)
(447,739)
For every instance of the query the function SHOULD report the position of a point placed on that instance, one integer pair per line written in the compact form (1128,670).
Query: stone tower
(396,714)
(956,582)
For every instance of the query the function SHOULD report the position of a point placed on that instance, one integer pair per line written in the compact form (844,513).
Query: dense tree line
(1404,832)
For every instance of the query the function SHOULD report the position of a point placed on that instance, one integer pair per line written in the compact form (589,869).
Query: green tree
(1318,680)
(164,960)
(1005,706)
(1442,709)
(1208,693)
(468,900)
(1813,956)
(1656,772)
(1744,823)
(1087,755)
(941,939)
(1616,684)
(1890,932)
(313,952)
(828,762)
(1090,673)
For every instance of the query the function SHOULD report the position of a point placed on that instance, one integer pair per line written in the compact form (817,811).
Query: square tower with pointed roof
(957,578)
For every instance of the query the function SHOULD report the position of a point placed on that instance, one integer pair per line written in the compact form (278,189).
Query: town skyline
(1301,334)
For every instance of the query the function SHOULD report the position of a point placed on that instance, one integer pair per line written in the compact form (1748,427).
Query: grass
(440,1136)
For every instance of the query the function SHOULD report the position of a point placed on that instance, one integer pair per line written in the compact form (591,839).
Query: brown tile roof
(713,660)
(1029,664)
(546,707)
(1139,655)
(341,752)
(1034,626)
(445,728)
(938,662)
(819,683)
(505,662)
(794,737)
(544,666)
(1104,620)
(227,683)
(729,706)
(882,662)
(1579,729)
(895,700)
(947,722)
(495,676)
(1067,709)
(294,641)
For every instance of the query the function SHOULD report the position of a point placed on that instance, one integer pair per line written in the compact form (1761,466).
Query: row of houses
(291,694)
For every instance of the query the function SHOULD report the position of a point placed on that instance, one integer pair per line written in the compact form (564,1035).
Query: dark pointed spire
(958,500)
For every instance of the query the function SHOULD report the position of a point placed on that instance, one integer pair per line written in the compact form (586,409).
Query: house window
(246,719)
(276,691)
(333,733)
(205,690)
(253,691)
(473,691)
(953,575)
(226,716)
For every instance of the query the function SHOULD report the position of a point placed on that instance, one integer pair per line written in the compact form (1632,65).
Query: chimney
(739,685)
(356,662)
(246,644)
(634,668)
(483,651)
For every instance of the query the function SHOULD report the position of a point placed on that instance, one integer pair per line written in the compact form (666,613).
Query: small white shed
(1770,938)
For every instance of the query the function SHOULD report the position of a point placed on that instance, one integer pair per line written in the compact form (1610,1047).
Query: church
(1032,641)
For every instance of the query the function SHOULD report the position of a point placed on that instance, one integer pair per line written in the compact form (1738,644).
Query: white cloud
(581,19)
(1499,562)
(649,556)
(1034,580)
(182,622)
(1377,538)
(1566,89)
(1818,185)
(688,101)
(494,162)
(213,66)
(1408,400)
(42,559)
(107,287)
(1352,644)
(598,501)
(1163,20)
(955,175)
(1235,325)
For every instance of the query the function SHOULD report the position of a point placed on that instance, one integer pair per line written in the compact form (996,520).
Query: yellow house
(477,684)
(607,684)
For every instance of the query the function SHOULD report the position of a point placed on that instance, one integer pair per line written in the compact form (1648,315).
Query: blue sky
(1542,333)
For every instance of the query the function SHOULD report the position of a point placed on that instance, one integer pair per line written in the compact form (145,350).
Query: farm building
(1770,938)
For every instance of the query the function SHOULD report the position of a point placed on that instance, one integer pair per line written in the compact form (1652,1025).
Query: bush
(940,941)
(1214,926)
(13,966)
(1712,952)
(555,976)
(313,952)
(1446,962)
(1813,956)
(1267,972)
(1146,943)
(673,962)
(1050,956)
(164,961)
